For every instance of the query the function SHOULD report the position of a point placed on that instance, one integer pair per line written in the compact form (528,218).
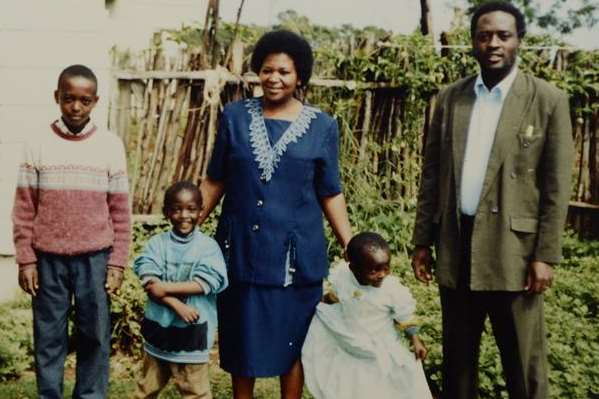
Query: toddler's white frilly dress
(353,350)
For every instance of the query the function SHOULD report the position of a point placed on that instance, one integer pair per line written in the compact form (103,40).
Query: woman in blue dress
(275,161)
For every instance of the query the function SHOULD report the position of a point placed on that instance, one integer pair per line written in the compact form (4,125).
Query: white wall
(132,22)
(38,38)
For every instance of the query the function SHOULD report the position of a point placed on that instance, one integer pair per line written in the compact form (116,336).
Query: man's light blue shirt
(481,135)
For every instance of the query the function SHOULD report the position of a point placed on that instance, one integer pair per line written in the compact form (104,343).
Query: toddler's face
(184,212)
(374,268)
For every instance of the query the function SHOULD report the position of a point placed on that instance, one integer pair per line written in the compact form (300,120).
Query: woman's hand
(212,191)
(335,210)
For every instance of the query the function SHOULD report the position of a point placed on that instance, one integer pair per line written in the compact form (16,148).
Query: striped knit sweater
(72,196)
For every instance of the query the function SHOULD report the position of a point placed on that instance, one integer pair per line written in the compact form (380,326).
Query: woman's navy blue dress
(271,232)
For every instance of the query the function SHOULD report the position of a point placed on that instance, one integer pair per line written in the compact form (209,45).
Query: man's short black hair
(77,70)
(170,195)
(504,6)
(363,243)
(292,44)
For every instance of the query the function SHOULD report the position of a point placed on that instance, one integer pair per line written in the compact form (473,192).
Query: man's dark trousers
(518,326)
(63,280)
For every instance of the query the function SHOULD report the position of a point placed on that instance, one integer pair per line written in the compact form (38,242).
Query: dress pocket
(290,260)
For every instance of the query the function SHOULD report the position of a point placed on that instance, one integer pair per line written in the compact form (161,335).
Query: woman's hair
(292,44)
(170,195)
(363,243)
(504,6)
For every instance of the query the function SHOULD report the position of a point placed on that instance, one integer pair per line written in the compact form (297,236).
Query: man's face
(495,42)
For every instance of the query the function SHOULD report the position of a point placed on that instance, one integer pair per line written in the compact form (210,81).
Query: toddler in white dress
(353,348)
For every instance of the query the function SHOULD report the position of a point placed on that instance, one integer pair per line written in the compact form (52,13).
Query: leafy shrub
(16,340)
(572,323)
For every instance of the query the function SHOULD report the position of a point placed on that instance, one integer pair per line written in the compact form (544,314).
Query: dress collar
(266,155)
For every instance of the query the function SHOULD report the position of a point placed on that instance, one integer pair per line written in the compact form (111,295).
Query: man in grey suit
(493,199)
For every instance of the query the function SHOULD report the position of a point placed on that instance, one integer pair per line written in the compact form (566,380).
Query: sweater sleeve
(118,207)
(150,263)
(25,208)
(211,269)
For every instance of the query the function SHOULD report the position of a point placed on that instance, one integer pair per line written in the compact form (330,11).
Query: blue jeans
(62,279)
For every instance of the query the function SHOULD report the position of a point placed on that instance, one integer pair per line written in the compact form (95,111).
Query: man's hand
(155,289)
(539,278)
(420,350)
(28,279)
(421,264)
(186,312)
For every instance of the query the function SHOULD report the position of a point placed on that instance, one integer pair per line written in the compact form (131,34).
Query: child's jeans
(62,278)
(192,380)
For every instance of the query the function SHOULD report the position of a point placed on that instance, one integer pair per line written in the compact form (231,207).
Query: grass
(123,376)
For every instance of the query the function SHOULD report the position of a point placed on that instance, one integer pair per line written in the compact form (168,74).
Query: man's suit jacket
(525,193)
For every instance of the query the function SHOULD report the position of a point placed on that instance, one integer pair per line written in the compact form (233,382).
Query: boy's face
(76,97)
(184,212)
(374,269)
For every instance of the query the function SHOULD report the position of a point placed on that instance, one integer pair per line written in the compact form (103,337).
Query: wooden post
(365,124)
(123,110)
(426,19)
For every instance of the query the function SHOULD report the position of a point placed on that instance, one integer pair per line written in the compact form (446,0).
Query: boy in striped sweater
(71,232)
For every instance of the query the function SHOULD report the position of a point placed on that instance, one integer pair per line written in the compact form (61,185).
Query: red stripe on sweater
(71,222)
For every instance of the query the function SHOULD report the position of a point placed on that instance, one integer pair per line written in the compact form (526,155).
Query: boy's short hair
(171,192)
(77,70)
(365,242)
(292,44)
(504,6)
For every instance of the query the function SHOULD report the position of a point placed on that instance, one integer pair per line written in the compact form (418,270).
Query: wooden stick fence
(168,120)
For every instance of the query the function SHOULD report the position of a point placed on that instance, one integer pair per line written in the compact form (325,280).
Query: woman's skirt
(261,329)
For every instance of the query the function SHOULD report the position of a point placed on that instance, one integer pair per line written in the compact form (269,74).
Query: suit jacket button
(495,209)
(513,175)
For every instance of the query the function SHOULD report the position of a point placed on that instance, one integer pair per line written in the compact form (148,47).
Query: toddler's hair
(362,243)
(77,70)
(170,194)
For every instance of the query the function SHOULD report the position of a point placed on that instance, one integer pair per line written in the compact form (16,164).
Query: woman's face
(278,78)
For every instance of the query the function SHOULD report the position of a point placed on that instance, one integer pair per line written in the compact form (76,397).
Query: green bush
(572,322)
(571,310)
(16,339)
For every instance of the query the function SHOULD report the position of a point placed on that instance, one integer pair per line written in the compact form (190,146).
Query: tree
(560,17)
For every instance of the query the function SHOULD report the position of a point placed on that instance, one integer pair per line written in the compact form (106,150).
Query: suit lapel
(512,113)
(464,101)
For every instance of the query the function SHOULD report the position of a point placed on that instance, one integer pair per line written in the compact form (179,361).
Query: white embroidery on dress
(268,156)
